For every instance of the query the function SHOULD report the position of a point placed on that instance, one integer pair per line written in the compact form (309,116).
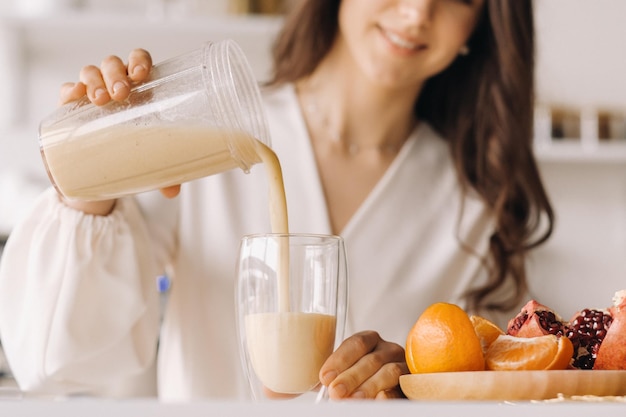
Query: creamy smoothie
(278,218)
(287,350)
(107,163)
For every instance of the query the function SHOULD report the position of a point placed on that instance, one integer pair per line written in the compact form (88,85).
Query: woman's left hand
(364,366)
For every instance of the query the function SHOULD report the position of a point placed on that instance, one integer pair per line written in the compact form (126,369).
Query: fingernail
(99,92)
(119,86)
(138,69)
(328,377)
(338,391)
(358,395)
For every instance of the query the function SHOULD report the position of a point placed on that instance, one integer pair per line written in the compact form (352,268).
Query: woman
(403,125)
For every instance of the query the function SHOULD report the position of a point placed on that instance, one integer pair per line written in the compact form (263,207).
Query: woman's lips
(402,43)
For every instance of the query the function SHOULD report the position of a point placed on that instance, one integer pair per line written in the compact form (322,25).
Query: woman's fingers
(382,384)
(347,354)
(391,394)
(91,76)
(337,373)
(115,77)
(364,366)
(71,91)
(139,64)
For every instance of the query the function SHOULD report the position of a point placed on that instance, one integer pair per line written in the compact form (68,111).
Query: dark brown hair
(488,127)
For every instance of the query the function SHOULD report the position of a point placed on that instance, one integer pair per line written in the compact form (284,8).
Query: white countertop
(96,408)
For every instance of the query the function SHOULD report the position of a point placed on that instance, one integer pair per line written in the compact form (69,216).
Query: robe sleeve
(79,310)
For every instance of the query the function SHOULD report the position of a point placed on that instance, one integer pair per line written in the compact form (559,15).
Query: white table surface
(17,407)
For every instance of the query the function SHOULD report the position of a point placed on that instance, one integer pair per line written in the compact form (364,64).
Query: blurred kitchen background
(580,117)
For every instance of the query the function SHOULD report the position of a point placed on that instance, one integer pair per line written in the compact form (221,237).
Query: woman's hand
(111,81)
(365,366)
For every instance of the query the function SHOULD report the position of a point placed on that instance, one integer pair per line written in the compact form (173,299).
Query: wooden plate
(512,385)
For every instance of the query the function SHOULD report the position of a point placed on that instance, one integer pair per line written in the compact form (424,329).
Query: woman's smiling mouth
(402,42)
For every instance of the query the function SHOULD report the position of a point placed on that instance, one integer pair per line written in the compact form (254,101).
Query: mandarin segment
(563,358)
(486,331)
(443,339)
(512,353)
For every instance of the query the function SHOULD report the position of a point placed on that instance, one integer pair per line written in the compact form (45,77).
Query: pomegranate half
(598,335)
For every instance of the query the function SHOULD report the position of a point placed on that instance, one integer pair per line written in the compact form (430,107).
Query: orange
(486,330)
(443,340)
(511,353)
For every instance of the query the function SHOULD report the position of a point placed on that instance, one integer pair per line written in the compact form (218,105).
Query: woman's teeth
(399,41)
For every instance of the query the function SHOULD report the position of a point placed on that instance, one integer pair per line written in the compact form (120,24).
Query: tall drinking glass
(291,310)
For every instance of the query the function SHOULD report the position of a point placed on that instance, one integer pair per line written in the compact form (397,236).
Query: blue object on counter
(163,283)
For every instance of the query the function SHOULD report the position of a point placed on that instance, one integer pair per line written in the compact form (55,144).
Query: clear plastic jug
(199,114)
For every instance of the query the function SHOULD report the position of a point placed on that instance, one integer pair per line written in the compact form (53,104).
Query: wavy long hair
(488,127)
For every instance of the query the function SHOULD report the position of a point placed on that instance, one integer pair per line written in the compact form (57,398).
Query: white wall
(581,59)
(581,63)
(584,262)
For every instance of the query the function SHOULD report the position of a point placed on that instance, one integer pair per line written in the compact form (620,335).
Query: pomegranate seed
(586,332)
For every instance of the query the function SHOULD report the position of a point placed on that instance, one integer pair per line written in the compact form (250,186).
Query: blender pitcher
(197,115)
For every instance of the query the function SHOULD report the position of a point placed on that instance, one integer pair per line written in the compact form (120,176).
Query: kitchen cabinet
(589,137)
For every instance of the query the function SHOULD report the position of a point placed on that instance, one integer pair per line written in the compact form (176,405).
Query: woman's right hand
(111,81)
